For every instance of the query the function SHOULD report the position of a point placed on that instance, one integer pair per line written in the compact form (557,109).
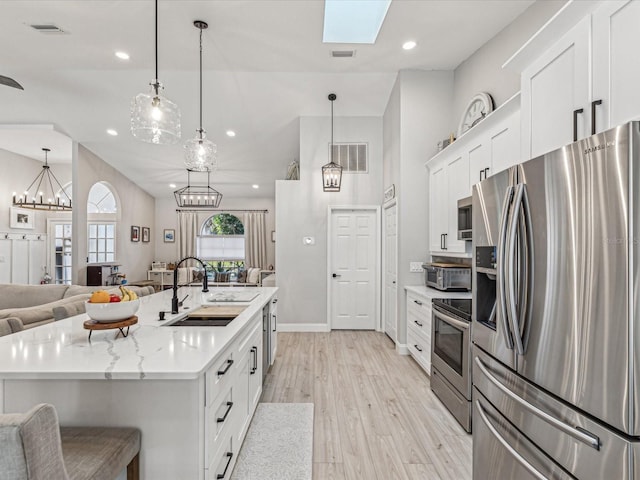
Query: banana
(132,295)
(125,294)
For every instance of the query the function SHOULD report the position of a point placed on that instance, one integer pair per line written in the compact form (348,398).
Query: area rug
(278,445)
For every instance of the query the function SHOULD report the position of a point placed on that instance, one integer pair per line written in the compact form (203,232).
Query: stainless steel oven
(450,354)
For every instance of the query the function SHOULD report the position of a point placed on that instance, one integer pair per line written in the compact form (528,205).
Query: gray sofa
(37,305)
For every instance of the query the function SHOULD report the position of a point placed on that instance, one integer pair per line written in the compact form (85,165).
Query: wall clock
(479,107)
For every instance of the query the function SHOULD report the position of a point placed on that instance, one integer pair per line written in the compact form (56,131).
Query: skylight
(353,21)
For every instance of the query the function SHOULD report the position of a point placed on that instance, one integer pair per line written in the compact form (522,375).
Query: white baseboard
(402,349)
(303,327)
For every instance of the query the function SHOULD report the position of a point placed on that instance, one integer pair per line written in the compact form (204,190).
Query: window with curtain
(221,244)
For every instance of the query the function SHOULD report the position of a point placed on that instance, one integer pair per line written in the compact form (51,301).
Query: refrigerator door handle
(519,458)
(501,269)
(580,435)
(526,304)
(510,264)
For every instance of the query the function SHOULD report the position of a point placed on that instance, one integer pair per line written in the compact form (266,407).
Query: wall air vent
(343,53)
(47,28)
(352,157)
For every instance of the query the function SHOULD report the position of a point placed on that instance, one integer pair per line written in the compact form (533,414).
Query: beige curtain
(255,240)
(187,232)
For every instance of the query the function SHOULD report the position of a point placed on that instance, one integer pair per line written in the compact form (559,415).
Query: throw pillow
(242,276)
(253,276)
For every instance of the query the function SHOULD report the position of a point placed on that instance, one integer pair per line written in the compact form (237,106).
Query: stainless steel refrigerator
(556,321)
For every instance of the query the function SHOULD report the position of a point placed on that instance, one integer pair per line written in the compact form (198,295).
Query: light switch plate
(415,267)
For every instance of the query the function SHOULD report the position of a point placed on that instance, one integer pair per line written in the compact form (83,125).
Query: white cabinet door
(616,69)
(553,88)
(273,339)
(438,198)
(458,187)
(479,161)
(504,144)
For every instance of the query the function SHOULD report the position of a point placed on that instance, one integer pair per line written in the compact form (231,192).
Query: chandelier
(197,196)
(155,118)
(331,172)
(199,153)
(41,194)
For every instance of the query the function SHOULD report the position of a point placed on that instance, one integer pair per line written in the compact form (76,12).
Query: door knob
(335,275)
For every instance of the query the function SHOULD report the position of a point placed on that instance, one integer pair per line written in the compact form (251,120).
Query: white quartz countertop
(62,350)
(430,293)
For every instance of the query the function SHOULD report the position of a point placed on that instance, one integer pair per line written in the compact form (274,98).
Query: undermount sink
(202,322)
(210,316)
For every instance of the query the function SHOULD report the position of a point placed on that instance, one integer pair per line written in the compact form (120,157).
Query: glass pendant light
(155,118)
(200,153)
(197,196)
(331,172)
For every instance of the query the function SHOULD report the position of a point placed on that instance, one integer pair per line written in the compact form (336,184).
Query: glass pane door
(62,253)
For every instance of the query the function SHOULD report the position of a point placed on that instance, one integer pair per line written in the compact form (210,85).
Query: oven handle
(451,320)
(521,460)
(583,436)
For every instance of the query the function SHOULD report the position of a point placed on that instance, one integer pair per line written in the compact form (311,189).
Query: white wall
(135,207)
(482,71)
(301,210)
(419,105)
(168,218)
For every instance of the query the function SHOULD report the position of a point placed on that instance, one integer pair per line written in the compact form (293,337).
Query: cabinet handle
(254,350)
(481,174)
(486,170)
(220,476)
(418,348)
(442,241)
(575,123)
(224,417)
(418,302)
(226,369)
(445,240)
(594,104)
(417,323)
(275,323)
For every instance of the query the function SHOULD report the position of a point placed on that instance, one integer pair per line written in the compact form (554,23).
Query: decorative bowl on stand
(112,312)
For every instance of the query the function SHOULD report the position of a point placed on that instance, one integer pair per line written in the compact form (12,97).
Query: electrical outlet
(415,267)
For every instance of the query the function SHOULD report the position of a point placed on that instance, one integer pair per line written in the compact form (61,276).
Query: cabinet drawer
(223,461)
(219,376)
(420,348)
(220,419)
(419,305)
(419,322)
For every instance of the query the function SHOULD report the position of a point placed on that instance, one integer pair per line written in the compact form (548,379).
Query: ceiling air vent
(352,157)
(343,53)
(47,28)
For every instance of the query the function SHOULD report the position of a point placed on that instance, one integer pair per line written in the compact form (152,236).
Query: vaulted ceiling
(264,66)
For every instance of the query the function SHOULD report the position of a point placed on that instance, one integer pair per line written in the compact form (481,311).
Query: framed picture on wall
(21,218)
(145,234)
(135,233)
(169,235)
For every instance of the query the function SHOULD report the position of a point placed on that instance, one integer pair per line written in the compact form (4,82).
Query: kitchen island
(191,390)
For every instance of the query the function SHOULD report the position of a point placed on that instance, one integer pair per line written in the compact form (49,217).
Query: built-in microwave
(464,219)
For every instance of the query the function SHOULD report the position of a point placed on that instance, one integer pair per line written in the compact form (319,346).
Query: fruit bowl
(111,312)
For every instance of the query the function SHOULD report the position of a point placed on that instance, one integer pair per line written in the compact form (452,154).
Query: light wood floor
(375,414)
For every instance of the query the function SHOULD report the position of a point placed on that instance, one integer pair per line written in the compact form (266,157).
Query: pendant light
(331,172)
(155,118)
(199,153)
(43,196)
(197,196)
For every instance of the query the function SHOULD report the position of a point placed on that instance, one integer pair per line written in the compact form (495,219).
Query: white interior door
(353,268)
(390,270)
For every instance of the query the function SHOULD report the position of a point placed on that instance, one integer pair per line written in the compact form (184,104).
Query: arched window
(101,224)
(221,245)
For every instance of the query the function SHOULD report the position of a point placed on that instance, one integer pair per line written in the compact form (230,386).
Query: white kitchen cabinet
(249,379)
(616,70)
(555,94)
(419,330)
(489,147)
(586,82)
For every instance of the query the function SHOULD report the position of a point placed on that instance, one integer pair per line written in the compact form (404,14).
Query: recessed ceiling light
(122,55)
(112,132)
(231,133)
(172,185)
(255,186)
(409,45)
